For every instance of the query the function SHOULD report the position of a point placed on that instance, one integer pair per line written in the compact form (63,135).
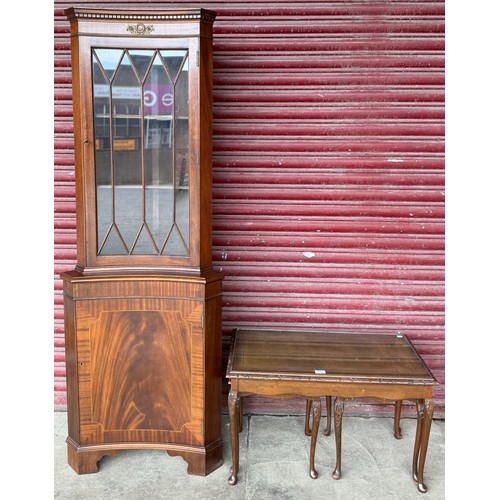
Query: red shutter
(64,190)
(328,169)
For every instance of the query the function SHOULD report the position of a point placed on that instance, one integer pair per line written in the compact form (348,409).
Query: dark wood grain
(133,357)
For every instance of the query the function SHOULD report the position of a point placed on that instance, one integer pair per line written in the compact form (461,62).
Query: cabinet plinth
(142,309)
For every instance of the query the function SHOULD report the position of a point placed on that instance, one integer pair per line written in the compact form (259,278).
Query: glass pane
(175,244)
(107,238)
(173,60)
(113,243)
(144,244)
(109,59)
(158,156)
(126,95)
(141,124)
(182,155)
(142,61)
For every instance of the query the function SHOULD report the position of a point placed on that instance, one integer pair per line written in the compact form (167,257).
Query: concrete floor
(274,455)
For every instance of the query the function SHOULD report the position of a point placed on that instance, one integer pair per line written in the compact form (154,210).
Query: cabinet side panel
(71,367)
(76,84)
(213,366)
(206,77)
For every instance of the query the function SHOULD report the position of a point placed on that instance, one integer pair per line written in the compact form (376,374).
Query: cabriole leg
(307,428)
(425,411)
(316,408)
(233,401)
(328,428)
(338,412)
(397,419)
(240,428)
(418,435)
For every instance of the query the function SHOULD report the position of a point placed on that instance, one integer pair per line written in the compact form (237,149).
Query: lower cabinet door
(140,370)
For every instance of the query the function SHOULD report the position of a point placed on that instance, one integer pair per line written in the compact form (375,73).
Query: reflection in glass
(141,124)
(181,152)
(158,98)
(126,151)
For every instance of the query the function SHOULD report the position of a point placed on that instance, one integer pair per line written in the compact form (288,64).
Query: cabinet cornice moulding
(137,15)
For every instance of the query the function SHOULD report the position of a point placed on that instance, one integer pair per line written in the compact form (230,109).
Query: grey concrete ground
(274,455)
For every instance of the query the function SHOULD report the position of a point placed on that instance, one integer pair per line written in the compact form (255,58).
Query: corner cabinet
(142,308)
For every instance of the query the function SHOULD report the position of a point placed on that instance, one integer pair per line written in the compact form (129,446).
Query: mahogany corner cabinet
(142,308)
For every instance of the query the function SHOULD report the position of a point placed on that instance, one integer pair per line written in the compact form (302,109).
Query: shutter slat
(328,155)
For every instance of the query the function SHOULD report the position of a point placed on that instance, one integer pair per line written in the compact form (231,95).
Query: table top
(326,356)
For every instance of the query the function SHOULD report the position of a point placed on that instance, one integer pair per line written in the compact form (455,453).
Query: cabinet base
(201,460)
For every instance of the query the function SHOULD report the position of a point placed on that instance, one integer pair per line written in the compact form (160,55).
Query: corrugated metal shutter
(328,169)
(64,190)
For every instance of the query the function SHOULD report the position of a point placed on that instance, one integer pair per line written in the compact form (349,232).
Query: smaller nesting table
(286,364)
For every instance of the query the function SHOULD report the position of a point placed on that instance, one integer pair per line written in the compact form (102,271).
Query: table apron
(311,388)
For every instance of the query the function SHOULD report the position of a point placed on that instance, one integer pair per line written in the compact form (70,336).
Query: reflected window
(141,126)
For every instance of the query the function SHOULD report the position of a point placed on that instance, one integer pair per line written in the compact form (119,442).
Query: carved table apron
(286,364)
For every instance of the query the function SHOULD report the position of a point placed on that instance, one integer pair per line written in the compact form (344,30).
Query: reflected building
(141,126)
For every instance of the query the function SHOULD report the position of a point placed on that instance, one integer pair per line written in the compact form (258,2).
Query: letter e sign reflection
(167,100)
(158,99)
(149,98)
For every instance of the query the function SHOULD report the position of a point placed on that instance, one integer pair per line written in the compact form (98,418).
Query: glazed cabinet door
(144,163)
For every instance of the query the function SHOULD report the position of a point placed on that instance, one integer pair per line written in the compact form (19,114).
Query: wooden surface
(343,357)
(143,332)
(144,364)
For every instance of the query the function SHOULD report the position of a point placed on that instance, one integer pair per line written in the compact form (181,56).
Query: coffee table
(285,364)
